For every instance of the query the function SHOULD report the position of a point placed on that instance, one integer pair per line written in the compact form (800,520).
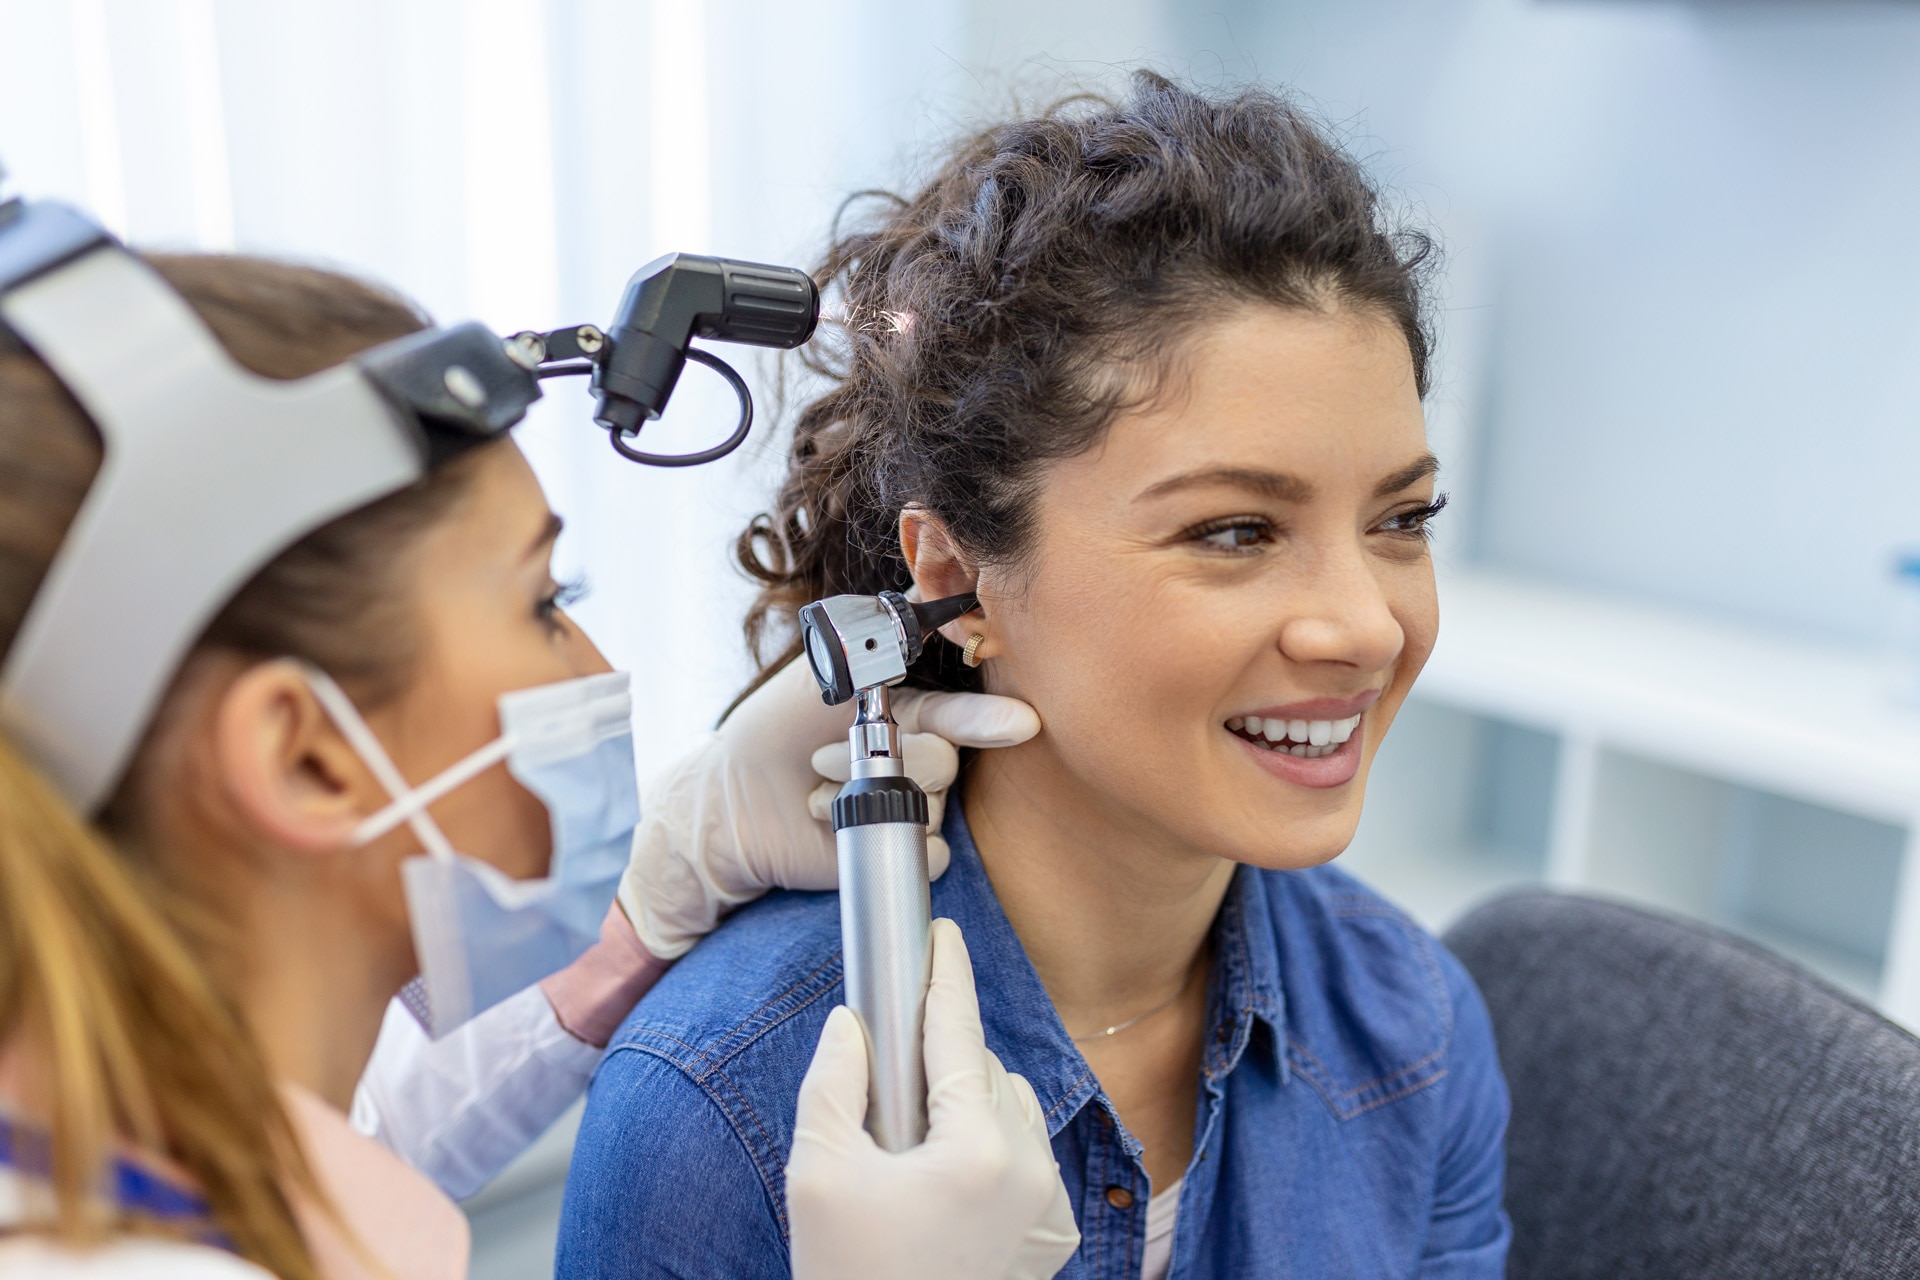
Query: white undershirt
(1161,1212)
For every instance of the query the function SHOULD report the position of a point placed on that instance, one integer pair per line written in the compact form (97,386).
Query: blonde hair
(121,1021)
(113,991)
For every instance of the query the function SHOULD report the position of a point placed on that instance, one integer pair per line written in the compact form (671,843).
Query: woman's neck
(304,943)
(313,982)
(1113,914)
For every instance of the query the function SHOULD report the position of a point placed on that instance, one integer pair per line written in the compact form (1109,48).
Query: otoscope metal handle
(885,928)
(858,646)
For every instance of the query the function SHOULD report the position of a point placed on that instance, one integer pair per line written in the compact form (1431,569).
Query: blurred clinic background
(1679,402)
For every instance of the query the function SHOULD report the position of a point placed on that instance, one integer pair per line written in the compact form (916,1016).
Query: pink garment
(405,1227)
(594,994)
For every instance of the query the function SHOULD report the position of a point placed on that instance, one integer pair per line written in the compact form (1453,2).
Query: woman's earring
(971,654)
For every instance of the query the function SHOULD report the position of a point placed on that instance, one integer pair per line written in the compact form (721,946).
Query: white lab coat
(459,1109)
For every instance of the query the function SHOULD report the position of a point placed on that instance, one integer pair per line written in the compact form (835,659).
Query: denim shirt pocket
(1380,1029)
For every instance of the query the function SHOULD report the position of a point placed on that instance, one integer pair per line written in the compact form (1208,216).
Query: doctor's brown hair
(116,984)
(1041,283)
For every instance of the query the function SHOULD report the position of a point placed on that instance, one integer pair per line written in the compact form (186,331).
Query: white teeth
(1309,739)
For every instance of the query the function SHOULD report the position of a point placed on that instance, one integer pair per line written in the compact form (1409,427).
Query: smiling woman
(1147,378)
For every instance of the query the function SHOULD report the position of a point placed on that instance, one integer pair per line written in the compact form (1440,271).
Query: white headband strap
(209,471)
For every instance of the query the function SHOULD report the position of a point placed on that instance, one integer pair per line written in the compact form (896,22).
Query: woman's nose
(583,655)
(1342,616)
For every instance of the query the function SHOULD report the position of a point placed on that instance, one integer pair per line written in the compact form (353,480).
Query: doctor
(276,615)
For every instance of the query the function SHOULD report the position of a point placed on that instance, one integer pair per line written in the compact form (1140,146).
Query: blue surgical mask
(481,935)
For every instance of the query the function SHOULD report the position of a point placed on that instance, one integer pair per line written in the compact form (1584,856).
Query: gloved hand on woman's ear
(746,811)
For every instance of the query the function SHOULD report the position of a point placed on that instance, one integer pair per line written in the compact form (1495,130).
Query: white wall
(1690,302)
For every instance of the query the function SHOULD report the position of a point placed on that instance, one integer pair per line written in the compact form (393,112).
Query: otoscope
(859,646)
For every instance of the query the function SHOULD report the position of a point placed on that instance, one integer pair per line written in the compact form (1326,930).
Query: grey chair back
(1688,1105)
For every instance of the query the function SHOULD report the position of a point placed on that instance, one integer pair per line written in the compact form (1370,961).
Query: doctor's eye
(564,595)
(1235,535)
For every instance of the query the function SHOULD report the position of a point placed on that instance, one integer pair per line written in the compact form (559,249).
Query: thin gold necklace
(1135,1021)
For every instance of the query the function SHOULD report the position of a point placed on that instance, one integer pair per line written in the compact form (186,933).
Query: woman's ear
(285,767)
(941,570)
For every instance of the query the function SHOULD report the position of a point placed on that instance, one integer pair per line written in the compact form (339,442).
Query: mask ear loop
(409,806)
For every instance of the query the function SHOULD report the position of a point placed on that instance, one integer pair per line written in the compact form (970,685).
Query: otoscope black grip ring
(865,802)
(721,450)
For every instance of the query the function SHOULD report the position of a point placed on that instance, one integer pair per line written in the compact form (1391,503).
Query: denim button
(1120,1197)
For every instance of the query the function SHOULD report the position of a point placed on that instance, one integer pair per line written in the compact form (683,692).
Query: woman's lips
(1336,767)
(1315,742)
(1318,708)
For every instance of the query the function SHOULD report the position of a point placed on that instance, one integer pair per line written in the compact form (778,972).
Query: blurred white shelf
(1438,882)
(1802,719)
(1667,734)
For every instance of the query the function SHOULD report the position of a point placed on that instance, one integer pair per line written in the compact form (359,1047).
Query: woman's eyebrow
(1407,476)
(549,534)
(1277,485)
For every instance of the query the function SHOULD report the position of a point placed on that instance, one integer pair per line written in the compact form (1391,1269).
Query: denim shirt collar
(1021,1023)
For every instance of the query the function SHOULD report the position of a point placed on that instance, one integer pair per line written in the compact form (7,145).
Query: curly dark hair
(1038,285)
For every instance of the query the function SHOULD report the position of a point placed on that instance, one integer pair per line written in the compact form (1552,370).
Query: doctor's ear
(940,569)
(285,767)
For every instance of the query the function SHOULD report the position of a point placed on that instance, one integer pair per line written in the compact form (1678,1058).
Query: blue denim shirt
(1351,1109)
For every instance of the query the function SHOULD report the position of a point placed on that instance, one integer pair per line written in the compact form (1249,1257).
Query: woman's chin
(1308,842)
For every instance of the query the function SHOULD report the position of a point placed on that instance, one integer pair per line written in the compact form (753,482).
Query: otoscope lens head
(852,643)
(826,654)
(863,642)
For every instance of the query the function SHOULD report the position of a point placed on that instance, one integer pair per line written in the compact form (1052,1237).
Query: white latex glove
(733,818)
(980,1199)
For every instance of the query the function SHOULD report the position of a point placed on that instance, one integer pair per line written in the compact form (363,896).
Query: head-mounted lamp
(209,470)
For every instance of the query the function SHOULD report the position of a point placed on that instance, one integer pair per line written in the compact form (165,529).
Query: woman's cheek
(1414,598)
(1158,686)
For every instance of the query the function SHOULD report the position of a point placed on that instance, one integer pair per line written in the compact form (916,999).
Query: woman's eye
(1232,536)
(562,596)
(1413,523)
